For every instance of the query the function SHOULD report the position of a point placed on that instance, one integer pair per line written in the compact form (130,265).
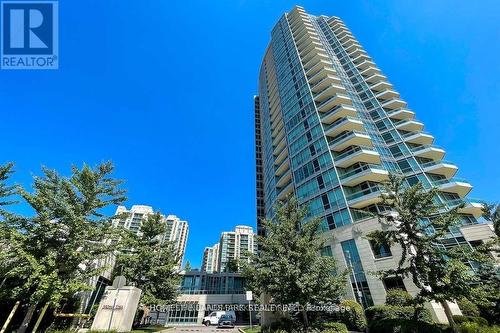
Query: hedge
(470,319)
(334,327)
(381,312)
(471,327)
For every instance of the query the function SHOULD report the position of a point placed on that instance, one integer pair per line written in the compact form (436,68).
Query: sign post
(249,299)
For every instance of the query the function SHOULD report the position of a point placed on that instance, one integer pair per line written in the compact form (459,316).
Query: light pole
(358,293)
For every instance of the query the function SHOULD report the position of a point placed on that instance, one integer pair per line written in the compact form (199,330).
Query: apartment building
(330,127)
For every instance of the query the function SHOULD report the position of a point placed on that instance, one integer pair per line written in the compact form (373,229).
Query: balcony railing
(353,151)
(360,169)
(344,136)
(422,147)
(446,181)
(432,163)
(359,194)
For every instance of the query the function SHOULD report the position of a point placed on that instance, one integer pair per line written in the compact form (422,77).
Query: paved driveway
(209,329)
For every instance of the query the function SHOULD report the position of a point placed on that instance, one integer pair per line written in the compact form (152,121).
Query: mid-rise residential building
(236,245)
(210,262)
(330,127)
(176,230)
(232,246)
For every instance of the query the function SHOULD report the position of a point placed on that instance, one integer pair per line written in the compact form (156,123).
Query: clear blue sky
(165,88)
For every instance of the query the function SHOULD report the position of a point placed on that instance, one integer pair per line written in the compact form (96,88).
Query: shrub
(468,308)
(386,318)
(334,327)
(353,316)
(471,327)
(470,319)
(382,312)
(398,297)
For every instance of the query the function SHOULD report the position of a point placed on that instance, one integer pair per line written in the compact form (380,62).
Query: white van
(213,318)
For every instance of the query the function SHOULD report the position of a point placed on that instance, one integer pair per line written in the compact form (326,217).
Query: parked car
(213,318)
(226,321)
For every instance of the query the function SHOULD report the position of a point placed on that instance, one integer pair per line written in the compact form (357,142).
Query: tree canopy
(289,267)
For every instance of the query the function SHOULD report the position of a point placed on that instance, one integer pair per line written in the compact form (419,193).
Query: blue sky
(164,89)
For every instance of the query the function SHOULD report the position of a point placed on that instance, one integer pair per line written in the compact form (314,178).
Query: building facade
(236,245)
(210,262)
(232,246)
(176,230)
(200,294)
(331,127)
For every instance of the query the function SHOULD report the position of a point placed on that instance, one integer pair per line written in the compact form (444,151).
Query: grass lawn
(255,329)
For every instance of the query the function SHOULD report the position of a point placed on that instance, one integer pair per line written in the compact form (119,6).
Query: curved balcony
(429,151)
(343,125)
(285,190)
(306,39)
(328,91)
(471,206)
(399,114)
(365,64)
(381,86)
(352,46)
(281,156)
(306,48)
(359,59)
(364,198)
(325,82)
(347,139)
(321,74)
(393,103)
(318,66)
(281,168)
(337,112)
(346,38)
(284,179)
(387,94)
(444,168)
(280,143)
(376,78)
(356,52)
(366,172)
(453,185)
(357,154)
(419,138)
(370,70)
(408,125)
(334,100)
(313,55)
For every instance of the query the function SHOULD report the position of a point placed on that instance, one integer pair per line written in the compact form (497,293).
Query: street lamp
(357,292)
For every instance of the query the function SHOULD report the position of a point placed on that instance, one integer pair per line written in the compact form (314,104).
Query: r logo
(29,28)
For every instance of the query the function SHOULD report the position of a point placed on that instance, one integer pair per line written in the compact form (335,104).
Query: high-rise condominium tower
(176,230)
(330,128)
(210,262)
(233,245)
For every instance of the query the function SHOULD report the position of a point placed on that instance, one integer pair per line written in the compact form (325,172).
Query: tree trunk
(304,317)
(9,318)
(27,319)
(449,315)
(40,317)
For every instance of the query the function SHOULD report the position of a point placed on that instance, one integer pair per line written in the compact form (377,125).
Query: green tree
(150,262)
(232,266)
(57,248)
(441,275)
(491,212)
(187,266)
(289,267)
